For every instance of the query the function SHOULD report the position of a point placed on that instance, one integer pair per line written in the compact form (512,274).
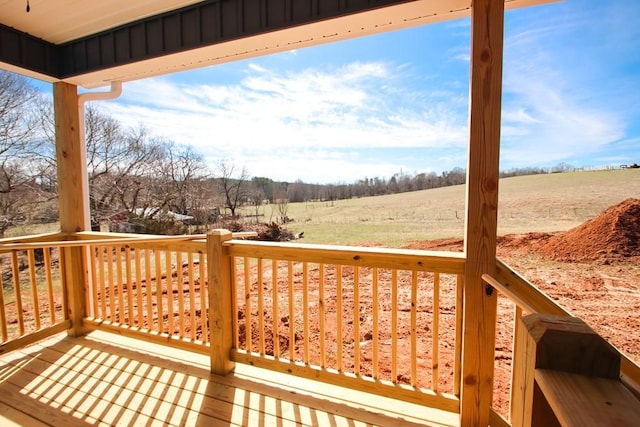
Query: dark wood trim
(25,51)
(196,26)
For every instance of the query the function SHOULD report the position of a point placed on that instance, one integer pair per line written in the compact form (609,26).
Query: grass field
(545,203)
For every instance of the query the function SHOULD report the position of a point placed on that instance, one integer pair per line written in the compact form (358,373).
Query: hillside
(536,203)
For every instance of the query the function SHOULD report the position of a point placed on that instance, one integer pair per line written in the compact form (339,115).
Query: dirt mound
(613,235)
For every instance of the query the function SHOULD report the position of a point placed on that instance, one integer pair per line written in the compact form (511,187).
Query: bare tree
(21,151)
(121,165)
(233,184)
(183,170)
(256,198)
(282,204)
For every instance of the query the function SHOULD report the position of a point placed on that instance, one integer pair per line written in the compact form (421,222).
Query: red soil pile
(614,235)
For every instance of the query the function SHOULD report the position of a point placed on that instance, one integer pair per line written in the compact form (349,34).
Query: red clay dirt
(593,271)
(610,237)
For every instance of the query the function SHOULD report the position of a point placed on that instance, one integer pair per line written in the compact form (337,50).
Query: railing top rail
(74,243)
(506,291)
(84,239)
(45,237)
(525,291)
(400,259)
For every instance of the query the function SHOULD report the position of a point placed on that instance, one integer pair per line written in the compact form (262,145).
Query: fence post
(220,302)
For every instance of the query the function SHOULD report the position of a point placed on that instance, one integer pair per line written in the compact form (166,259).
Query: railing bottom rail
(417,395)
(34,337)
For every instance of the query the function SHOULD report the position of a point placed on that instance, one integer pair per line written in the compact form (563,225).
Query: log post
(220,302)
(480,305)
(73,198)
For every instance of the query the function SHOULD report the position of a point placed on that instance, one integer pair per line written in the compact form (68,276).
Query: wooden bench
(579,400)
(567,375)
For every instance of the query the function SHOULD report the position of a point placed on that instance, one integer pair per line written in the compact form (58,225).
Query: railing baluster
(247,305)
(63,300)
(110,254)
(192,297)
(94,283)
(394,326)
(204,312)
(234,279)
(147,288)
(16,286)
(139,300)
(259,281)
(435,333)
(321,314)
(34,287)
(170,306)
(180,294)
(305,310)
(356,320)
(93,256)
(129,289)
(376,317)
(339,319)
(274,304)
(414,328)
(159,290)
(49,280)
(3,314)
(292,334)
(121,307)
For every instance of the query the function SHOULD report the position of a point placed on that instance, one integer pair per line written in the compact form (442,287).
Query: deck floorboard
(106,379)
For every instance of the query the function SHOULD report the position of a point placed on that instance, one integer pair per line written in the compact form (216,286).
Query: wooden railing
(525,298)
(365,318)
(151,287)
(32,295)
(379,320)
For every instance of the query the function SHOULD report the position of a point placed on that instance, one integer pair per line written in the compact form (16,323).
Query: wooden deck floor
(105,379)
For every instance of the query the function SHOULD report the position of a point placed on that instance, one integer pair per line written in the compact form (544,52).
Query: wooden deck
(106,379)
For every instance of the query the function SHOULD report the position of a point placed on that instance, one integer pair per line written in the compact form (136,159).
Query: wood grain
(487,23)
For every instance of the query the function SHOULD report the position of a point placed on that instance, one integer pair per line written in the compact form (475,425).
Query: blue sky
(398,101)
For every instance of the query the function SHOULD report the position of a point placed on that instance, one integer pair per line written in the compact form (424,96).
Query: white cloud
(552,109)
(342,119)
(297,115)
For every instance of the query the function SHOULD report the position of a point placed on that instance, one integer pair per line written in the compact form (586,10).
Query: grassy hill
(548,203)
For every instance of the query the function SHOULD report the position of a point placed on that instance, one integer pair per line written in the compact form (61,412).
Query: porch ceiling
(91,43)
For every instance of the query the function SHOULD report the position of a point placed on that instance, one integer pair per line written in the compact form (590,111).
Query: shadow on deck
(106,379)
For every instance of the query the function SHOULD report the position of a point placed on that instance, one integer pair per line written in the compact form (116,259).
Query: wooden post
(487,21)
(72,198)
(558,343)
(220,302)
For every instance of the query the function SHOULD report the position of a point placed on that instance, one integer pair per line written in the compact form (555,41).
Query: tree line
(128,170)
(131,171)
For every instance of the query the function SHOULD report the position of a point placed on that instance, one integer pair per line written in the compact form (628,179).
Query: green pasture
(540,203)
(536,203)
